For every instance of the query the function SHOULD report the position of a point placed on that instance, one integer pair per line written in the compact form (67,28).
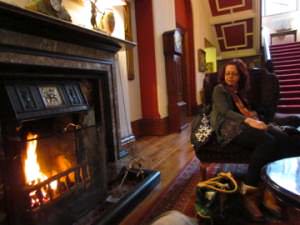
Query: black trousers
(268,146)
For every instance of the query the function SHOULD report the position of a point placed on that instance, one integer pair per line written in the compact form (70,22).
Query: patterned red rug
(181,196)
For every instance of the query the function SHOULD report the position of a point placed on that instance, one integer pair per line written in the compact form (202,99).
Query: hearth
(59,124)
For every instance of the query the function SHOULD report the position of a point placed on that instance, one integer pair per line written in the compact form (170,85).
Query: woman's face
(231,76)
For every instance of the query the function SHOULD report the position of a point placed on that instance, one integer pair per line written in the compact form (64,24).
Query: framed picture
(128,36)
(209,67)
(201,60)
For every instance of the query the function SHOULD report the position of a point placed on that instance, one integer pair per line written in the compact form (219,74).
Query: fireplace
(53,146)
(59,124)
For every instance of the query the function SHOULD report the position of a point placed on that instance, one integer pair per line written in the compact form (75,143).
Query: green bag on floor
(214,198)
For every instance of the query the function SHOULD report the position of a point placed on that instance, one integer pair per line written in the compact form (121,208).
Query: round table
(283,177)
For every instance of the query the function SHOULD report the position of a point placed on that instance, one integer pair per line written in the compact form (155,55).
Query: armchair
(263,97)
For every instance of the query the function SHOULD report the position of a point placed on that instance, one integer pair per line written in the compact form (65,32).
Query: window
(272,7)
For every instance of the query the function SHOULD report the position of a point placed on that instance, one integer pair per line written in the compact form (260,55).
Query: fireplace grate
(43,194)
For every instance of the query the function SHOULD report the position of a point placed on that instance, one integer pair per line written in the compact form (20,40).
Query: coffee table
(283,177)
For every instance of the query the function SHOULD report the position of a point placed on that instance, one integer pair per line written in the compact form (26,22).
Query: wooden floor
(168,154)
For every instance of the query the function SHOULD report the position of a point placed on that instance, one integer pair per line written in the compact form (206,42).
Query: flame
(33,173)
(32,169)
(64,164)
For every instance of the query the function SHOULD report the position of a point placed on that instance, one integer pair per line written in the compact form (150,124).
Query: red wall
(146,53)
(180,10)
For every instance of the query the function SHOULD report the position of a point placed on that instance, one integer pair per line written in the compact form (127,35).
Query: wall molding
(148,127)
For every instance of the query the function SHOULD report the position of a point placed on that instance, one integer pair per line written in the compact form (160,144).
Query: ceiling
(237,26)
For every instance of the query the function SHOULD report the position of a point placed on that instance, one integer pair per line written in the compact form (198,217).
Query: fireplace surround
(58,122)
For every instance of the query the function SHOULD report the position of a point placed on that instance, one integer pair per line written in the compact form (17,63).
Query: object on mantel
(34,23)
(50,7)
(94,10)
(107,22)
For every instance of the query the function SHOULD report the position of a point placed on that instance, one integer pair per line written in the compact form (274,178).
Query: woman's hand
(256,123)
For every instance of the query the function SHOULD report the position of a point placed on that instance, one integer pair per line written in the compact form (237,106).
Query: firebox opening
(50,167)
(54,153)
(60,166)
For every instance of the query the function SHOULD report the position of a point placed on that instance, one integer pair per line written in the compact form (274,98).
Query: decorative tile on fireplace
(41,99)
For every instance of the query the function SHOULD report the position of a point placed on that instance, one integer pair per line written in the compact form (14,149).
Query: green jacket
(223,108)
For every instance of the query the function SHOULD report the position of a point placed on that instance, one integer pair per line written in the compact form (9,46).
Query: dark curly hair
(243,85)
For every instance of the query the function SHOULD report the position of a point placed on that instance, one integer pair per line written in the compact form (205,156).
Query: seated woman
(233,121)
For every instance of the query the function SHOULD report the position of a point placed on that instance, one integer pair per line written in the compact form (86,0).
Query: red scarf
(239,103)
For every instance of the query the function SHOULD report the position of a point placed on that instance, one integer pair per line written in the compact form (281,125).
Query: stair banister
(266,50)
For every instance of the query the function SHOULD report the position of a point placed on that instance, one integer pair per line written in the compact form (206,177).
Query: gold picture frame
(128,36)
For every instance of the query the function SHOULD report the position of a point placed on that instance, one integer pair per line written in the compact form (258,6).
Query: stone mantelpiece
(27,49)
(25,21)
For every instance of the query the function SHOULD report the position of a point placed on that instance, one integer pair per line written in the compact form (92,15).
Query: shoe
(251,206)
(250,196)
(246,189)
(271,204)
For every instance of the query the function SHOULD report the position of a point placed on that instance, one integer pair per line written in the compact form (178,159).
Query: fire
(33,173)
(32,169)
